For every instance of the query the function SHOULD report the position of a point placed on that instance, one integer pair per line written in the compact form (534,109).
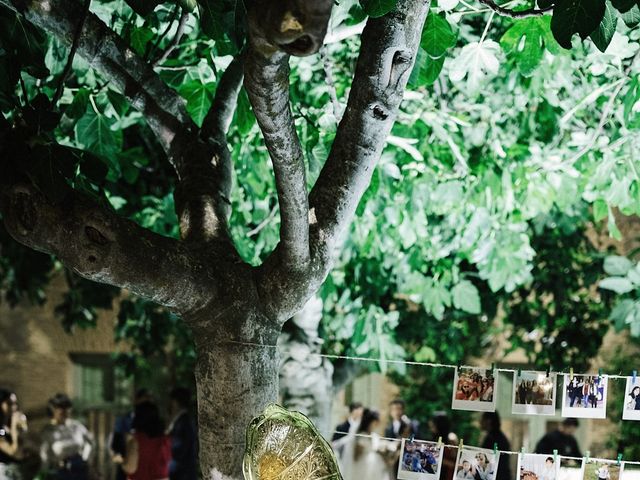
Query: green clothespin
(571,373)
(555,456)
(599,373)
(519,372)
(522,452)
(619,459)
(412,438)
(439,441)
(548,370)
(495,449)
(493,367)
(587,455)
(461,444)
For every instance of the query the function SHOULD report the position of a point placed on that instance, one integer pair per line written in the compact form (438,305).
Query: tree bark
(236,377)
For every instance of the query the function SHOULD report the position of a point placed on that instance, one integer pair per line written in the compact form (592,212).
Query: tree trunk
(237,377)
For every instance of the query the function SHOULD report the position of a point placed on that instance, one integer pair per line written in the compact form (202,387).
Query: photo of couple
(537,467)
(476,464)
(420,460)
(474,389)
(584,396)
(631,409)
(534,393)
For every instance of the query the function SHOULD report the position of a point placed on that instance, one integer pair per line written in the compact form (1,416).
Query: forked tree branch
(508,12)
(387,55)
(267,83)
(101,246)
(220,115)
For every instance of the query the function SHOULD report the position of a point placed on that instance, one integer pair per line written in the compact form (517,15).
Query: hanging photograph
(629,471)
(532,466)
(476,464)
(420,460)
(597,469)
(631,410)
(584,396)
(534,393)
(474,389)
(570,469)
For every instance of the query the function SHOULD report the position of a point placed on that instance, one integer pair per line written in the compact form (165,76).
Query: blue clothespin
(619,459)
(635,377)
(555,456)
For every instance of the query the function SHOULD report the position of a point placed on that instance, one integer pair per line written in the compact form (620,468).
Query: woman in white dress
(361,456)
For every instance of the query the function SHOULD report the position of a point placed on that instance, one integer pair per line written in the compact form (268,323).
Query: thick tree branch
(507,12)
(267,83)
(107,53)
(219,117)
(99,245)
(387,55)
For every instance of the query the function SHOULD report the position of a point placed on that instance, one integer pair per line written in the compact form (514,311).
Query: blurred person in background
(66,443)
(13,424)
(440,427)
(494,436)
(562,440)
(184,437)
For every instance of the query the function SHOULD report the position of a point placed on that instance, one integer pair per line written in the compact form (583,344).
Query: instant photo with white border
(581,403)
(407,472)
(539,466)
(549,382)
(629,471)
(599,472)
(470,454)
(477,404)
(631,407)
(567,470)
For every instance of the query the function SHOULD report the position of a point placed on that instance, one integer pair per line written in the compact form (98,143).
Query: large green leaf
(466,297)
(604,33)
(620,285)
(632,17)
(437,36)
(576,16)
(199,97)
(426,69)
(93,131)
(377,8)
(617,265)
(223,21)
(524,43)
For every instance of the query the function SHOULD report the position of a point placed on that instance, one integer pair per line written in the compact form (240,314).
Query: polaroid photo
(532,466)
(534,393)
(597,469)
(474,389)
(476,464)
(631,408)
(570,469)
(630,471)
(420,460)
(584,396)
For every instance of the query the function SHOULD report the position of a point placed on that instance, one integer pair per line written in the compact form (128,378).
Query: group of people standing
(472,386)
(583,392)
(529,392)
(140,446)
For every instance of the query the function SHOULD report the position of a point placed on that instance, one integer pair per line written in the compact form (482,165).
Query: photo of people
(476,464)
(534,393)
(631,410)
(596,469)
(474,389)
(570,469)
(420,460)
(537,467)
(584,396)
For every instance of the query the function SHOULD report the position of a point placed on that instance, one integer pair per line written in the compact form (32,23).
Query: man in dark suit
(351,424)
(184,438)
(400,423)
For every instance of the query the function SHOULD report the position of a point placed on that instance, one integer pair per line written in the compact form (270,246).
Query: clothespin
(461,444)
(439,441)
(588,454)
(635,375)
(548,370)
(555,456)
(522,452)
(619,459)
(493,367)
(571,373)
(495,449)
(412,438)
(599,373)
(519,372)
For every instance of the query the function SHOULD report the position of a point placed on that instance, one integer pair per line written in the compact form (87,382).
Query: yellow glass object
(284,445)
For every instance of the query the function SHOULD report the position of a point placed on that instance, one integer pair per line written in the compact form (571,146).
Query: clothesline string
(408,362)
(446,445)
